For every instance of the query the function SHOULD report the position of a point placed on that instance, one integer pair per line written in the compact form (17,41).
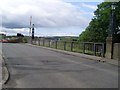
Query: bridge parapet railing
(96,49)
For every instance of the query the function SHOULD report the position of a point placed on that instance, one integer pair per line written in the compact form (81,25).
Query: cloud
(45,13)
(85,0)
(93,7)
(45,31)
(15,30)
(51,17)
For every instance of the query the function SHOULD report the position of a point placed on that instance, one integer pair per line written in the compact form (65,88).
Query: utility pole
(30,25)
(112,28)
(30,28)
(111,39)
(33,32)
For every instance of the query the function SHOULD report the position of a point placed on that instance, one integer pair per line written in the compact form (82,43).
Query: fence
(96,49)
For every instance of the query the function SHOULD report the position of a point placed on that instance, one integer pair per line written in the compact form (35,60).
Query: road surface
(35,67)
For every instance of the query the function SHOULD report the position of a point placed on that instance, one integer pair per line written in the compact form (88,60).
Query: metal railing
(96,49)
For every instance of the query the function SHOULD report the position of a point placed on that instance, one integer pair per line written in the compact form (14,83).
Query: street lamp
(112,27)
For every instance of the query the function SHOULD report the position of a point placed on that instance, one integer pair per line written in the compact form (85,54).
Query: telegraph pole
(112,28)
(30,28)
(30,25)
(33,32)
(111,39)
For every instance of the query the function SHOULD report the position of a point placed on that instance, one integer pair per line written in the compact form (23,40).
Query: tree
(98,28)
(20,35)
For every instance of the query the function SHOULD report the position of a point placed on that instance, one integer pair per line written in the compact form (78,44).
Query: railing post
(35,41)
(94,48)
(49,43)
(83,47)
(65,45)
(39,41)
(56,44)
(103,49)
(31,41)
(43,42)
(71,46)
(79,46)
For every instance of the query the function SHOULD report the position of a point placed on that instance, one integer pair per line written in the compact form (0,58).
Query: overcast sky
(51,17)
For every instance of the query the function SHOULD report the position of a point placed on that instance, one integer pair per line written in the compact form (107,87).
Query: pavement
(38,67)
(90,57)
(0,72)
(4,73)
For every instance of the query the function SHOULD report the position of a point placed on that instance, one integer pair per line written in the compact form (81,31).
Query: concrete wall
(116,51)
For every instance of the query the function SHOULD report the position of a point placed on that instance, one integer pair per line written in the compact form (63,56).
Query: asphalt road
(35,67)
